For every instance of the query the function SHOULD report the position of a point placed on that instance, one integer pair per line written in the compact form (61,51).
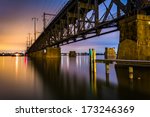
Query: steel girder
(83,19)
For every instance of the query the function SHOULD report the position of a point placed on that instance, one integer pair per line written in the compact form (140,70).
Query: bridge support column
(47,53)
(37,54)
(53,52)
(135,38)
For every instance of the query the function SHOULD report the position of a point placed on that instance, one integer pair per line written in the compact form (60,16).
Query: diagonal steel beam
(120,5)
(108,10)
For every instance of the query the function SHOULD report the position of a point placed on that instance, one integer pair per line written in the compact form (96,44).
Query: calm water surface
(69,78)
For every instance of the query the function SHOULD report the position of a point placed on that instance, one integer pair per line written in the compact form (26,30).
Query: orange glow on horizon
(14,36)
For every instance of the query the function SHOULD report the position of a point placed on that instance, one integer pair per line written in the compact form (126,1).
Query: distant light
(17,54)
(149,22)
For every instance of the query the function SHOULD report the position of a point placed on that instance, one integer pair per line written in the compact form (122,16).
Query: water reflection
(60,84)
(70,78)
(77,82)
(16,80)
(16,66)
(136,88)
(93,82)
(107,70)
(107,79)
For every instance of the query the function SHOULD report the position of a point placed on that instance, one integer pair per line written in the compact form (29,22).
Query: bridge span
(82,19)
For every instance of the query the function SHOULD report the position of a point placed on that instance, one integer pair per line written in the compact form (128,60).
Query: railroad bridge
(82,19)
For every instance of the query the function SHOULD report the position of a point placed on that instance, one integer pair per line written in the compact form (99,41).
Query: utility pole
(44,19)
(27,43)
(29,34)
(31,40)
(35,21)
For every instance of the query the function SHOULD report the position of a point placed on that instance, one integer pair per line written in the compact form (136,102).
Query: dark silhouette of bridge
(82,19)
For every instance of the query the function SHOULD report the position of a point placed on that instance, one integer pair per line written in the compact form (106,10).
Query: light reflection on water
(16,79)
(17,66)
(69,78)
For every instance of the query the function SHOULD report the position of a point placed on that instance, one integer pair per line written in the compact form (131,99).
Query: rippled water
(69,78)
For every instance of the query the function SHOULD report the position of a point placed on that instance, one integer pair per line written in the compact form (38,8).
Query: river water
(69,78)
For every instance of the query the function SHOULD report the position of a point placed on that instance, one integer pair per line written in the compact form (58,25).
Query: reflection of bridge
(82,19)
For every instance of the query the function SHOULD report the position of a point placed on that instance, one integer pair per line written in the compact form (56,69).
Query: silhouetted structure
(80,19)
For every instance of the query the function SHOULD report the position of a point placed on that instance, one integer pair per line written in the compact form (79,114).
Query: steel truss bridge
(82,19)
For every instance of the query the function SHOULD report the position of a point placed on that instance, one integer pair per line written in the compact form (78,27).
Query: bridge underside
(79,20)
(83,19)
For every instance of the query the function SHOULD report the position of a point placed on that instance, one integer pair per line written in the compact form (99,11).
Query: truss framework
(84,19)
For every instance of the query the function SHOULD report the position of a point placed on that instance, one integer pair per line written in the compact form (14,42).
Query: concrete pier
(72,54)
(134,38)
(53,52)
(37,54)
(110,53)
(47,53)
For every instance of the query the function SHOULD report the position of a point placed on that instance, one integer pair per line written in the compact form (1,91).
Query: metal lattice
(83,19)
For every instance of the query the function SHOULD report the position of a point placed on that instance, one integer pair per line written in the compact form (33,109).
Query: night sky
(16,22)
